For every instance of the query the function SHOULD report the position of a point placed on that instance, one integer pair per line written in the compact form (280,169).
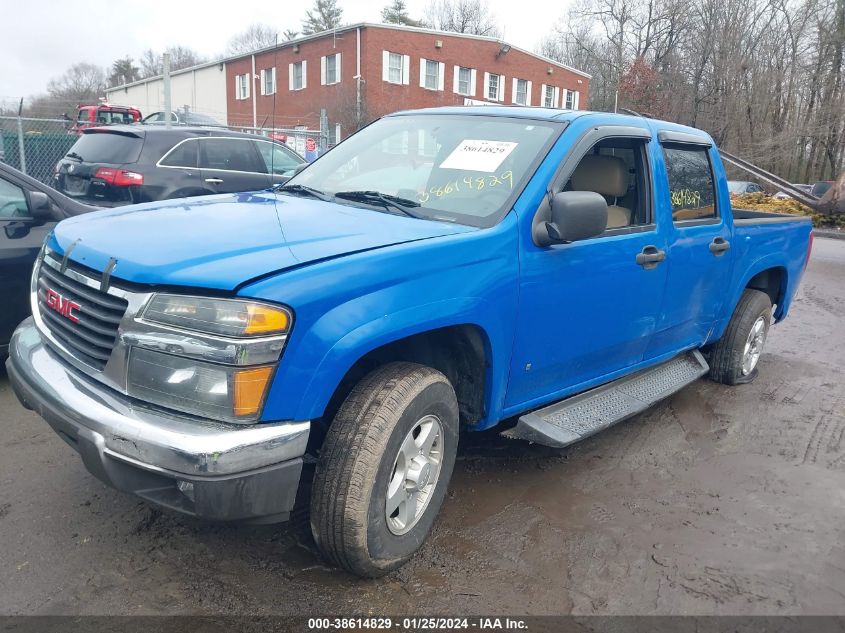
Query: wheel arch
(772,281)
(462,352)
(768,275)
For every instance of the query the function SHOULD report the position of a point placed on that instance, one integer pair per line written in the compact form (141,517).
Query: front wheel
(384,468)
(733,359)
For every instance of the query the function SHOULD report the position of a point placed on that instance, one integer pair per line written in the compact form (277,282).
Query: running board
(574,418)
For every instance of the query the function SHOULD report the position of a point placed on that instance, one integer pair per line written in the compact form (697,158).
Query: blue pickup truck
(551,272)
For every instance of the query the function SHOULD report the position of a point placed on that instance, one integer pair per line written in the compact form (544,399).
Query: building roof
(519,112)
(556,114)
(345,29)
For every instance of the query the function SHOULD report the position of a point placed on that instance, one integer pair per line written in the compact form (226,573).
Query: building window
(395,72)
(242,87)
(522,91)
(494,87)
(570,99)
(431,74)
(297,75)
(395,67)
(464,81)
(330,70)
(550,94)
(268,81)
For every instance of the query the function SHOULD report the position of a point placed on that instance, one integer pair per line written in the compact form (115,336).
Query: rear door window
(691,187)
(108,147)
(282,160)
(183,155)
(230,154)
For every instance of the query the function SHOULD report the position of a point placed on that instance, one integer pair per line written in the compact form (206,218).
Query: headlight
(226,317)
(221,392)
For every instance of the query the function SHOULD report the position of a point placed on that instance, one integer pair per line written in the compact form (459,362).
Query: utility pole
(166,76)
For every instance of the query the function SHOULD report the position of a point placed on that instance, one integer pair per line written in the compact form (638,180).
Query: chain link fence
(34,146)
(306,142)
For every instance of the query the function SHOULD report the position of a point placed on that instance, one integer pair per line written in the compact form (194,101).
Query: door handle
(650,256)
(214,181)
(719,245)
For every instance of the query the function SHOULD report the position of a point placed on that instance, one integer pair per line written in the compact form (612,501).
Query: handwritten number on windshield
(468,183)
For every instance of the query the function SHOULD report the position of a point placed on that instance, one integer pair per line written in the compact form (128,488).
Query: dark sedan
(125,164)
(28,212)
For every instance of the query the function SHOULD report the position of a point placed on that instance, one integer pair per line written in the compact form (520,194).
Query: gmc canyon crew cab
(441,270)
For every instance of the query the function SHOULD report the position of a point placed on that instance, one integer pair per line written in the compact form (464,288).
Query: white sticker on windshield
(474,155)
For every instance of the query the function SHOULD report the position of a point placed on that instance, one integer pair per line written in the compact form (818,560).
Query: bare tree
(255,37)
(180,57)
(324,16)
(82,82)
(764,77)
(150,63)
(462,16)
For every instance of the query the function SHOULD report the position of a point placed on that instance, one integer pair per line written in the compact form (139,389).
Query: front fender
(376,333)
(350,306)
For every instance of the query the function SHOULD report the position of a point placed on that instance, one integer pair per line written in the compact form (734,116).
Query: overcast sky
(62,35)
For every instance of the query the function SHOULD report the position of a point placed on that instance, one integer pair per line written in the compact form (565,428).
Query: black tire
(725,356)
(357,459)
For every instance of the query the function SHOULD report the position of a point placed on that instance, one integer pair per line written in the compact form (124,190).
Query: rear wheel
(733,359)
(384,468)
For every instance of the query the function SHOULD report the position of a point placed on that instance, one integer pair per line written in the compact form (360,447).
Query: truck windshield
(465,169)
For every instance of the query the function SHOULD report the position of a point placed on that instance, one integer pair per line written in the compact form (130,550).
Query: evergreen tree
(325,16)
(397,13)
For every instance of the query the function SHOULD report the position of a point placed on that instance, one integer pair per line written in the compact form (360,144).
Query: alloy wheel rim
(753,346)
(414,476)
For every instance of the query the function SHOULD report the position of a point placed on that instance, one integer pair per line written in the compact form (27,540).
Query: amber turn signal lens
(250,385)
(266,320)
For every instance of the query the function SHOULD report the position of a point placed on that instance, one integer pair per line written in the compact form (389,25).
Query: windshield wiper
(315,193)
(403,205)
(74,155)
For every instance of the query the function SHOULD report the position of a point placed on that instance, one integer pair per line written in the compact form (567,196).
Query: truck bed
(745,217)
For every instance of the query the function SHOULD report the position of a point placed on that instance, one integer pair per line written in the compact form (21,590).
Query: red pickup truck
(103,114)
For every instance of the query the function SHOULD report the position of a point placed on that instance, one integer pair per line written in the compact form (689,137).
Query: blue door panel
(698,279)
(587,309)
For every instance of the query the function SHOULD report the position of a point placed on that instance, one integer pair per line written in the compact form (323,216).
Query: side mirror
(299,168)
(41,207)
(576,215)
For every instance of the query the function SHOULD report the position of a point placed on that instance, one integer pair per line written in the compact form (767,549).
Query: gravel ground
(717,501)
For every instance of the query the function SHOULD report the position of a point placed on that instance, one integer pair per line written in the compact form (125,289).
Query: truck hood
(226,240)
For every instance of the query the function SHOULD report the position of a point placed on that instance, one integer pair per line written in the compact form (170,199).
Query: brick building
(360,72)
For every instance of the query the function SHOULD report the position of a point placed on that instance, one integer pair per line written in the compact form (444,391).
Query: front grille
(92,337)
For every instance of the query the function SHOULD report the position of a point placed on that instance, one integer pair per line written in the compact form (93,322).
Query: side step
(574,418)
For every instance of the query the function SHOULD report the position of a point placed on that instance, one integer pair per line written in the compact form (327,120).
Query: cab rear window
(106,147)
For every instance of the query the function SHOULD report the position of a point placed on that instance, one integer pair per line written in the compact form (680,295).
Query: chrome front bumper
(209,469)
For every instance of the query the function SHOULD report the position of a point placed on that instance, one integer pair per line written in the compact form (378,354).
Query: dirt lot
(718,501)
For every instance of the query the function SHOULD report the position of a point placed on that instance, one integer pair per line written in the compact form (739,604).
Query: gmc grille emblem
(62,305)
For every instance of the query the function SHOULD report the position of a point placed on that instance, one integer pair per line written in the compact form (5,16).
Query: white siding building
(202,88)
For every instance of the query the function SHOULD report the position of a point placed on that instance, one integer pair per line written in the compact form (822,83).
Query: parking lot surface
(719,500)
